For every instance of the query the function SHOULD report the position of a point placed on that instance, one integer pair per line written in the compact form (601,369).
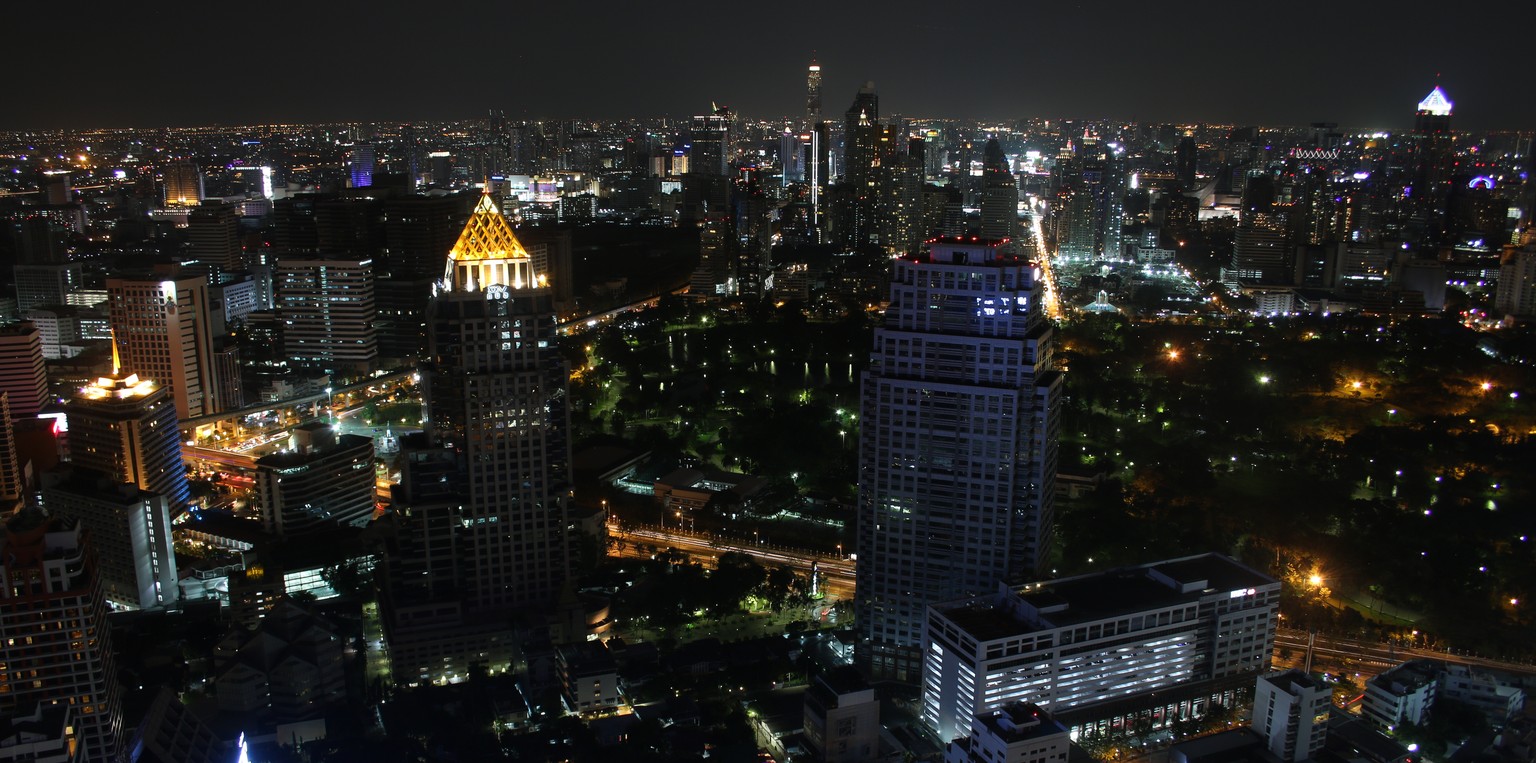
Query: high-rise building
(483,496)
(58,646)
(321,481)
(45,285)
(130,529)
(22,373)
(710,138)
(213,237)
(957,457)
(12,481)
(361,165)
(183,182)
(328,312)
(1290,712)
(124,427)
(999,195)
(164,331)
(812,94)
(1260,253)
(1516,293)
(1433,156)
(1084,645)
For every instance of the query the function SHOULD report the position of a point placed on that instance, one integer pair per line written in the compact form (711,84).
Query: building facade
(131,530)
(50,579)
(1076,642)
(1290,711)
(125,429)
(328,312)
(957,453)
(322,481)
(163,330)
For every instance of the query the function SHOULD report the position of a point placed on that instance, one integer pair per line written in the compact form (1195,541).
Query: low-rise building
(1403,694)
(589,677)
(1290,710)
(842,717)
(1016,733)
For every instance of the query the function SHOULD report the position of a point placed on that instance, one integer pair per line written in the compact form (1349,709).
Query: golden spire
(117,360)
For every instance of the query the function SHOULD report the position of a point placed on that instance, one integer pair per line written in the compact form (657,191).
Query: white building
(328,313)
(957,451)
(1403,694)
(1016,733)
(1290,711)
(1080,641)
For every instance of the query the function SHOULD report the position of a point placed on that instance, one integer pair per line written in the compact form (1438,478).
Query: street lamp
(330,404)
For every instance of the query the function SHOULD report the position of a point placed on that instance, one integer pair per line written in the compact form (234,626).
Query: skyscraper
(484,496)
(328,312)
(130,529)
(999,195)
(183,184)
(124,428)
(812,94)
(1432,163)
(164,331)
(957,457)
(213,236)
(58,648)
(361,165)
(22,373)
(711,141)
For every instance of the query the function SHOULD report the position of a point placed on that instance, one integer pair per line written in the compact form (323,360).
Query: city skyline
(1122,63)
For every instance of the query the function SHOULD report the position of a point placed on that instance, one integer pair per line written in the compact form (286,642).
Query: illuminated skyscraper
(124,427)
(812,94)
(711,144)
(164,331)
(213,236)
(130,529)
(58,647)
(1433,160)
(183,183)
(957,453)
(361,165)
(484,537)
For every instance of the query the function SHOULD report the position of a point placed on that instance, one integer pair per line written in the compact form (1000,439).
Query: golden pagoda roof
(487,236)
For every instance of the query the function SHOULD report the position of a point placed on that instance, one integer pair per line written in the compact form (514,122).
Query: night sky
(176,62)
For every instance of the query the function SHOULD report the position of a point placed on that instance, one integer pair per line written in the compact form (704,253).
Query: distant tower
(957,461)
(164,332)
(213,236)
(362,165)
(59,646)
(999,196)
(1434,146)
(183,184)
(125,428)
(813,95)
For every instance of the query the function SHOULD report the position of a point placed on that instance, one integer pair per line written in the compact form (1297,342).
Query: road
(1371,657)
(836,574)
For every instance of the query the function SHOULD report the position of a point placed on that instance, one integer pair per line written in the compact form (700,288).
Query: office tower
(550,249)
(22,372)
(1290,712)
(124,427)
(1260,252)
(842,717)
(319,482)
(860,136)
(1432,163)
(50,579)
(999,196)
(1516,293)
(1083,646)
(957,453)
(1187,162)
(183,183)
(484,532)
(40,240)
(328,312)
(164,331)
(130,529)
(812,94)
(710,138)
(170,733)
(1015,733)
(213,237)
(45,285)
(361,165)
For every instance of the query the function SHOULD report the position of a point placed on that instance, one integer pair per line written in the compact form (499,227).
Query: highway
(836,574)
